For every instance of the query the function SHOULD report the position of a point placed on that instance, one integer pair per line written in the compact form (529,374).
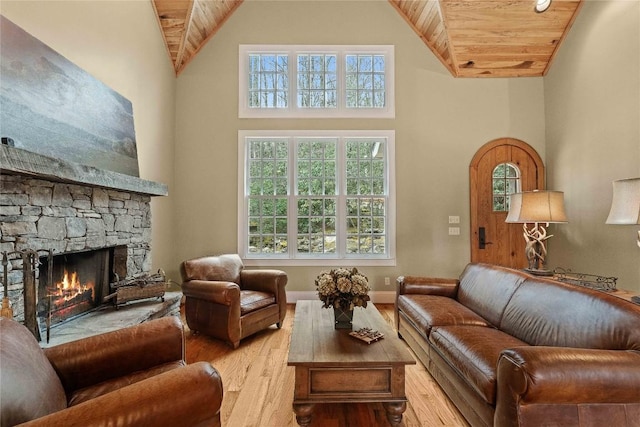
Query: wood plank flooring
(258,385)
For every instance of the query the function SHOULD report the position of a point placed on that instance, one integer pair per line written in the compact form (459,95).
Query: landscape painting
(50,106)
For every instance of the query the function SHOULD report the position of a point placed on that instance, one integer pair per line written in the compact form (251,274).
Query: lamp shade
(537,206)
(625,206)
(542,5)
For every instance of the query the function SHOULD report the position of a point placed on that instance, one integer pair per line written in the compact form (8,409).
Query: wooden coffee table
(333,367)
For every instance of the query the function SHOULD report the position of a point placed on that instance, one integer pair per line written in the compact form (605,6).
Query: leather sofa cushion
(549,313)
(29,386)
(223,268)
(473,351)
(254,300)
(427,311)
(487,289)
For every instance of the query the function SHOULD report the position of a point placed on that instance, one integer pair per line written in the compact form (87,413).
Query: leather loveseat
(511,349)
(135,376)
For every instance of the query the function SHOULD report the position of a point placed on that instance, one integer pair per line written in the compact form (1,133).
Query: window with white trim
(316,81)
(313,196)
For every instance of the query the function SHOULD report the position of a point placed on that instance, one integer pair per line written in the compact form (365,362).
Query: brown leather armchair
(225,301)
(135,376)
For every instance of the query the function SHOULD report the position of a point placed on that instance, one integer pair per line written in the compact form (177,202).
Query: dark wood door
(500,167)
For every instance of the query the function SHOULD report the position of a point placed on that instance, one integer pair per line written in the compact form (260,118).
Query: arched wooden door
(501,167)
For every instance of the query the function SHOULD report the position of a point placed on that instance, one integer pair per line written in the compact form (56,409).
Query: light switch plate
(454,231)
(454,219)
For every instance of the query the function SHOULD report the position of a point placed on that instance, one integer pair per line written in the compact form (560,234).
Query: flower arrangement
(343,288)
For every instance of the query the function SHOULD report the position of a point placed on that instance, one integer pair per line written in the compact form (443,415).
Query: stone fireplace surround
(47,203)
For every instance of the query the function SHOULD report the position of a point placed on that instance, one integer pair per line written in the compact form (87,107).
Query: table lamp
(536,207)
(625,206)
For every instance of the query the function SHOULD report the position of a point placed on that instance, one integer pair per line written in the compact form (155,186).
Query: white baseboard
(377,297)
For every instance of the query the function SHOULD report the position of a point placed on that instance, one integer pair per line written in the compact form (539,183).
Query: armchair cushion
(253,300)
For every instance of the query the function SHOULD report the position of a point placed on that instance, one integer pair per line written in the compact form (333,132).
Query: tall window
(506,181)
(314,196)
(267,191)
(316,81)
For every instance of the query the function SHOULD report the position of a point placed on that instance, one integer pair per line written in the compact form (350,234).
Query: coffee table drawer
(346,381)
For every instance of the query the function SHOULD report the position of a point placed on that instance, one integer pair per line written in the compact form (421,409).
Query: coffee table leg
(395,411)
(303,412)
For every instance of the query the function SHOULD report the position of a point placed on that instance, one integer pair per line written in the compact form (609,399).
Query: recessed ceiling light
(542,5)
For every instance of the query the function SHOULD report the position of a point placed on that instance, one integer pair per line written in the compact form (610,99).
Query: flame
(70,282)
(70,285)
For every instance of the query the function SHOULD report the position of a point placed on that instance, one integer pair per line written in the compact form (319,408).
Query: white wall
(440,123)
(592,106)
(119,43)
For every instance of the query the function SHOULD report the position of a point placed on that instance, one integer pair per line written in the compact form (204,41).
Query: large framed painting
(50,106)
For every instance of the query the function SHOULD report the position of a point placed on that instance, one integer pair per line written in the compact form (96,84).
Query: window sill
(320,262)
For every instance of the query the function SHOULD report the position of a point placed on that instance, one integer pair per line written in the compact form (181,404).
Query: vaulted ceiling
(472,38)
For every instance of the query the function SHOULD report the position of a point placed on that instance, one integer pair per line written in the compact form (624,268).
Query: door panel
(504,243)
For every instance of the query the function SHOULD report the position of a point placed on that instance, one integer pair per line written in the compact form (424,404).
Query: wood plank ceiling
(187,25)
(472,38)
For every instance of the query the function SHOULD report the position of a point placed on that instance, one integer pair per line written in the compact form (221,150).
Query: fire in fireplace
(77,283)
(69,297)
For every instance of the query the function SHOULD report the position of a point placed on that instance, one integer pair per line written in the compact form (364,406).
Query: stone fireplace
(81,214)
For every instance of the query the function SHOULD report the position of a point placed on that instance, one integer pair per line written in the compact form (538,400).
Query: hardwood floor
(258,385)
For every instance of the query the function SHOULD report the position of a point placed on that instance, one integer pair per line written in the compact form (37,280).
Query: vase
(343,317)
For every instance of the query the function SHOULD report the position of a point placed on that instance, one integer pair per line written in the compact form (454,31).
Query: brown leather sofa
(135,376)
(511,349)
(225,301)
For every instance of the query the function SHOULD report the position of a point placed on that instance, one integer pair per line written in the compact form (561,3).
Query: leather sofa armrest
(273,281)
(560,375)
(225,293)
(188,396)
(428,286)
(114,354)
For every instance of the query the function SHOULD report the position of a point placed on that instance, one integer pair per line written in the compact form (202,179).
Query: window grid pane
(316,177)
(267,188)
(365,166)
(505,181)
(366,197)
(365,224)
(268,81)
(316,172)
(317,81)
(365,81)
